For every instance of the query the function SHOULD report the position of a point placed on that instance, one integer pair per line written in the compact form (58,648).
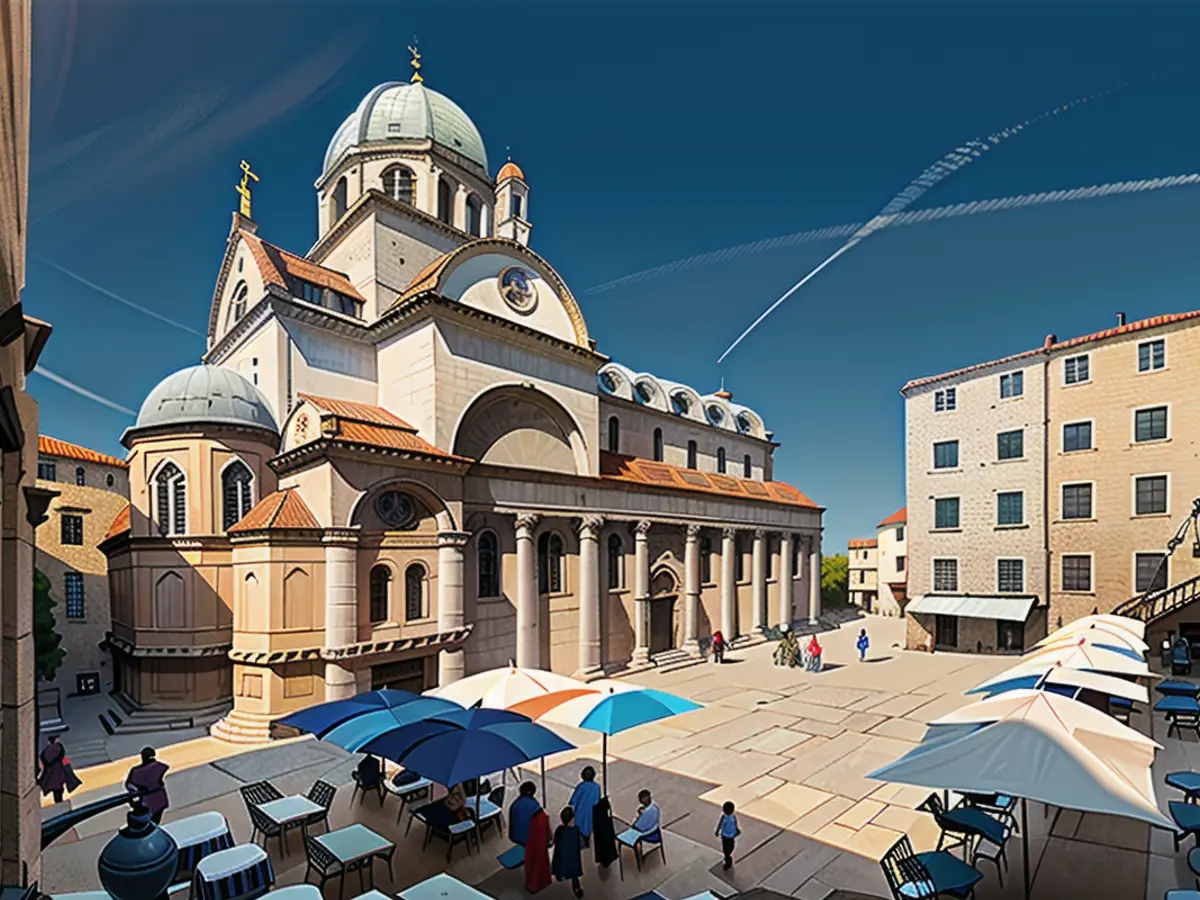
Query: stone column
(814,577)
(728,584)
(341,608)
(785,579)
(460,207)
(452,664)
(641,592)
(528,602)
(758,576)
(691,589)
(589,594)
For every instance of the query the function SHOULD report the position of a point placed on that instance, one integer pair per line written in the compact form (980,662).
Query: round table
(199,836)
(241,871)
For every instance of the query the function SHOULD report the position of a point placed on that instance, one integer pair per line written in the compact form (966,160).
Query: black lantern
(140,861)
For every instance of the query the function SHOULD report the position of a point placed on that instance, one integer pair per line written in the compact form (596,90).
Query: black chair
(368,779)
(980,824)
(322,794)
(497,818)
(1177,721)
(921,876)
(322,863)
(254,796)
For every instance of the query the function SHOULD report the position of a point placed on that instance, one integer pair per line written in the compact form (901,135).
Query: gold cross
(244,188)
(416,64)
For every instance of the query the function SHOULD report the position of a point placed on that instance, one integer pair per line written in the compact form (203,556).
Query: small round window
(681,404)
(744,424)
(396,509)
(645,392)
(609,382)
(715,414)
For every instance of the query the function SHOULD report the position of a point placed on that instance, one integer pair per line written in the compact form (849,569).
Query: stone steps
(88,752)
(141,722)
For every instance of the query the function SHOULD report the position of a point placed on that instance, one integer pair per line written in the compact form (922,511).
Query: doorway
(406,675)
(664,590)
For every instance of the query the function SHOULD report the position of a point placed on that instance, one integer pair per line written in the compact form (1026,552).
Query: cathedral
(402,459)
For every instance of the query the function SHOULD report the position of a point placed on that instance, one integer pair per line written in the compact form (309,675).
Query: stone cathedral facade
(403,459)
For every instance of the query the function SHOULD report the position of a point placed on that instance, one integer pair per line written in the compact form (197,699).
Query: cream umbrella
(1083,654)
(1032,674)
(1136,627)
(1097,633)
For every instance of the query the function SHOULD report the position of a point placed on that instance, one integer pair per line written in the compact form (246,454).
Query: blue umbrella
(324,717)
(354,733)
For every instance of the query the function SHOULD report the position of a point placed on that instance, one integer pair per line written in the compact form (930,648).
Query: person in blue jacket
(862,644)
(585,798)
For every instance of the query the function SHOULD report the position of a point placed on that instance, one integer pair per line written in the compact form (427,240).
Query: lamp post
(37,504)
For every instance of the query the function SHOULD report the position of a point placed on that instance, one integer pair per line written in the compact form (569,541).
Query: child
(568,843)
(863,643)
(727,831)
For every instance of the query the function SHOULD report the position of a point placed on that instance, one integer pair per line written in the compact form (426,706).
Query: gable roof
(618,467)
(275,262)
(863,543)
(120,524)
(280,510)
(49,446)
(899,517)
(349,422)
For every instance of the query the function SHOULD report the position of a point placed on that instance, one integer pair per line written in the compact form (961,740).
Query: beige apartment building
(975,444)
(863,586)
(892,563)
(92,488)
(1123,468)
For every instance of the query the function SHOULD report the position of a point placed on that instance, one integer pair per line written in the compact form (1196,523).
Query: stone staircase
(239,727)
(1151,607)
(88,752)
(135,721)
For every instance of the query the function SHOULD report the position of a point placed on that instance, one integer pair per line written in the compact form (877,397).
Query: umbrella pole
(604,763)
(544,798)
(1025,842)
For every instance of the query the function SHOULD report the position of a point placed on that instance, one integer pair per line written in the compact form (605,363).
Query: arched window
(237,306)
(721,460)
(747,468)
(616,562)
(514,206)
(550,560)
(171,500)
(236,481)
(445,201)
(705,560)
(80,476)
(381,586)
(339,201)
(658,445)
(414,592)
(474,215)
(691,461)
(400,184)
(614,434)
(489,565)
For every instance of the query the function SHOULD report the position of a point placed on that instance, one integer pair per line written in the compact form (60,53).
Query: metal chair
(255,795)
(322,863)
(921,876)
(636,841)
(322,794)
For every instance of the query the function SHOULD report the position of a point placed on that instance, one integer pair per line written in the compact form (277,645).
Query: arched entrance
(664,591)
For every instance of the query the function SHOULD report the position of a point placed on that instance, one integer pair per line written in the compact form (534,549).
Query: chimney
(1051,340)
(1120,319)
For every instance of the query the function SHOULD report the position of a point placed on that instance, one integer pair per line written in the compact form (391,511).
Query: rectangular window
(1150,571)
(1077,436)
(72,529)
(1150,495)
(899,563)
(1076,573)
(945,574)
(1077,501)
(1150,424)
(945,455)
(1010,636)
(1010,508)
(73,591)
(1152,355)
(945,512)
(945,401)
(1012,384)
(1010,576)
(945,631)
(1075,370)
(46,469)
(1010,444)
(900,533)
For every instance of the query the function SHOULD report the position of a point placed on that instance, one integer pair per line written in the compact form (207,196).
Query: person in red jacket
(814,655)
(537,855)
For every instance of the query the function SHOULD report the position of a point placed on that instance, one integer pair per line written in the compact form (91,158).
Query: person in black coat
(568,851)
(604,837)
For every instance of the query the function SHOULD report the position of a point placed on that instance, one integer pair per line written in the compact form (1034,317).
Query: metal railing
(1150,606)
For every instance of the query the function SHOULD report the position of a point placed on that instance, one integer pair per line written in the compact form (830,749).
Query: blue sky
(648,132)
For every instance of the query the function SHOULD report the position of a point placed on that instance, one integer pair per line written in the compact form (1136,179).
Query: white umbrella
(1033,674)
(1101,635)
(1036,746)
(1136,627)
(1082,654)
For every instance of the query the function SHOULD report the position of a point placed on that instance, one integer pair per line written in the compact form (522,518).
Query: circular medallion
(517,289)
(396,509)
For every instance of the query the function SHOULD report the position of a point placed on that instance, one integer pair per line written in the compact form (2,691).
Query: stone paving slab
(750,698)
(754,868)
(823,815)
(805,765)
(824,729)
(802,709)
(899,704)
(862,721)
(745,726)
(903,729)
(803,865)
(773,740)
(836,697)
(708,717)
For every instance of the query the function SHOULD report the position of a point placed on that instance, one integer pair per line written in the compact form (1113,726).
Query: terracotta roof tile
(120,524)
(617,467)
(863,543)
(282,509)
(274,262)
(426,279)
(358,412)
(967,370)
(899,517)
(509,170)
(350,422)
(54,447)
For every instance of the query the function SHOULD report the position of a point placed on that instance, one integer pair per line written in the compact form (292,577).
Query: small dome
(509,170)
(208,395)
(400,111)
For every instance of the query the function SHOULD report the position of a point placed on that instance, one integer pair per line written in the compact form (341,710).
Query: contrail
(120,299)
(933,175)
(81,391)
(914,217)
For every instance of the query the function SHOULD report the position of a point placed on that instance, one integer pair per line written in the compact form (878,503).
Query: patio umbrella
(611,708)
(1136,627)
(1082,654)
(395,706)
(1036,746)
(1099,628)
(1110,639)
(1032,675)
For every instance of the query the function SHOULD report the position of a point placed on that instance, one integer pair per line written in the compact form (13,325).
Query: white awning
(971,606)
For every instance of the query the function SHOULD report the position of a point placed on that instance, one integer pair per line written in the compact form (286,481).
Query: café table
(290,812)
(243,871)
(197,837)
(442,887)
(1178,688)
(1188,782)
(356,847)
(297,892)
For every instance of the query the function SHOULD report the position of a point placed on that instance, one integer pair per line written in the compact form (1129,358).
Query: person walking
(521,812)
(568,851)
(862,644)
(53,777)
(537,856)
(149,778)
(718,646)
(583,802)
(727,831)
(814,655)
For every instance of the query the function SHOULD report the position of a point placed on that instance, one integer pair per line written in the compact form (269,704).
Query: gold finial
(416,63)
(244,188)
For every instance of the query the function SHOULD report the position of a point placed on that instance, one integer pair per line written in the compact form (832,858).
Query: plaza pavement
(790,748)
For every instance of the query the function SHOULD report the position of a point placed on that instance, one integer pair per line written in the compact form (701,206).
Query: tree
(48,655)
(835,576)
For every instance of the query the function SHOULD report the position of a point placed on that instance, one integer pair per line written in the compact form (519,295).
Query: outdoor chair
(493,816)
(919,876)
(255,795)
(407,791)
(993,852)
(1177,721)
(639,842)
(321,863)
(1001,806)
(368,784)
(1187,820)
(454,833)
(1187,782)
(966,822)
(322,794)
(1193,861)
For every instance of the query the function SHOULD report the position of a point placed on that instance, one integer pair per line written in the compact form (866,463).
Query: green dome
(400,111)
